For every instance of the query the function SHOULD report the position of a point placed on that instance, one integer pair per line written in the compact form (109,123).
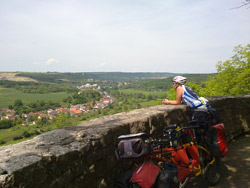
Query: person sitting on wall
(200,110)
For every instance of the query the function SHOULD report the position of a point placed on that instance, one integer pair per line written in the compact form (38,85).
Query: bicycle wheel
(212,174)
(122,180)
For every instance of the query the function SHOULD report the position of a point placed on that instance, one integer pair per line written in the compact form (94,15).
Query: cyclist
(185,94)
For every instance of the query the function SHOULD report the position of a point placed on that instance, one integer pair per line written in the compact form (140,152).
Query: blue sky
(120,35)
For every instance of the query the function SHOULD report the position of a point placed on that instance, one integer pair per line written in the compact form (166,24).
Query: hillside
(51,82)
(166,83)
(126,76)
(57,77)
(109,76)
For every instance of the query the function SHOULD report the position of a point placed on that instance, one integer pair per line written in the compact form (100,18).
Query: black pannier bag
(132,146)
(216,140)
(122,181)
(168,178)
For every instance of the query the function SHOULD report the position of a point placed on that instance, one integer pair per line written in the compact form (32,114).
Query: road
(234,167)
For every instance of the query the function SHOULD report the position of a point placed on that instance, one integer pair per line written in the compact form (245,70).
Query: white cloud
(36,63)
(102,64)
(51,61)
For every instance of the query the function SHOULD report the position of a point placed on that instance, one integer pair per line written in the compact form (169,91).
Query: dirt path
(234,168)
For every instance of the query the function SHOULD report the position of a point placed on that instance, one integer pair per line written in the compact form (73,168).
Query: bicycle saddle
(127,136)
(172,126)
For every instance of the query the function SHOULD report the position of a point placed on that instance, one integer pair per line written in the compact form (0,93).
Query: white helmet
(180,79)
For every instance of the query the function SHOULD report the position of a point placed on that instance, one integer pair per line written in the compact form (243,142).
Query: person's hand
(165,101)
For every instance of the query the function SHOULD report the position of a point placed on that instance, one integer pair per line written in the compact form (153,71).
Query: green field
(9,95)
(8,134)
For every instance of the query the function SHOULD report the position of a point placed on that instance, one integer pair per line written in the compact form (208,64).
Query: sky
(177,36)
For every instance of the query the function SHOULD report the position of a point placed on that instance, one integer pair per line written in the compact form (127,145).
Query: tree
(6,123)
(233,76)
(18,103)
(149,97)
(243,4)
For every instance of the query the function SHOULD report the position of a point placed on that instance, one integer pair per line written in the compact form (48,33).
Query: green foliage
(233,76)
(18,103)
(123,76)
(34,106)
(6,123)
(172,94)
(39,87)
(2,142)
(54,77)
(164,84)
(62,120)
(83,97)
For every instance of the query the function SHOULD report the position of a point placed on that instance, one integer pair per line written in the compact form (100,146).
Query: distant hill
(56,77)
(198,78)
(166,83)
(109,76)
(126,76)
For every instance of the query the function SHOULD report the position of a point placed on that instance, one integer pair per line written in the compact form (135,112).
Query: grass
(9,95)
(148,104)
(7,135)
(10,134)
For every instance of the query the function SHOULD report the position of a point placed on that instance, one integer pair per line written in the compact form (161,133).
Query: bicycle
(207,163)
(181,160)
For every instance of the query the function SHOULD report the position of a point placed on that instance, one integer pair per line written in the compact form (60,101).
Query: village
(73,110)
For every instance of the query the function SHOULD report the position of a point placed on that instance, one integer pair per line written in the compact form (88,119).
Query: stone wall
(83,155)
(234,112)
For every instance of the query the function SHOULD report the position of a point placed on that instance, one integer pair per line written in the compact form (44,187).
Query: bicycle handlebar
(155,143)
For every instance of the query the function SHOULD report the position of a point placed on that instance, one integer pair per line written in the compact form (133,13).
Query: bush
(26,134)
(2,142)
(17,137)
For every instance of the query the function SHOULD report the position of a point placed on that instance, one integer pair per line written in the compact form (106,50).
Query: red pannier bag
(216,140)
(145,175)
(194,155)
(184,172)
(181,157)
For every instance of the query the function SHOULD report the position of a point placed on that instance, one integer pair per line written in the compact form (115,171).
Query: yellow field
(12,77)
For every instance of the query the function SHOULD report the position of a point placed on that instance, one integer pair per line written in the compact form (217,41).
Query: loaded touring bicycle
(172,159)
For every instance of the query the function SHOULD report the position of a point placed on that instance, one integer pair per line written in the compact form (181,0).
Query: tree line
(164,84)
(83,97)
(37,106)
(39,87)
(232,78)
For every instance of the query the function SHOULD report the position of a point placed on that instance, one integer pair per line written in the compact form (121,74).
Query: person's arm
(178,101)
